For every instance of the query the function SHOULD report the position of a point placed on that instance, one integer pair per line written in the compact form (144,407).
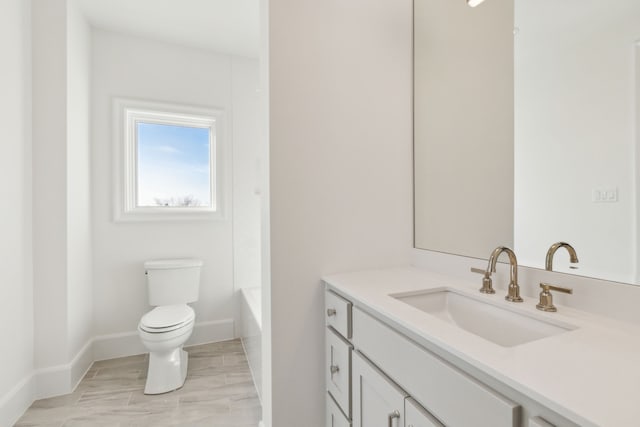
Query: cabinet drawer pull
(331,312)
(334,369)
(394,414)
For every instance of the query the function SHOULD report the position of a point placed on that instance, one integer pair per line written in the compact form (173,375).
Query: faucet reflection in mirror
(573,256)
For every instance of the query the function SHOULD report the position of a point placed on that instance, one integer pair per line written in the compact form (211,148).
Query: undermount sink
(491,322)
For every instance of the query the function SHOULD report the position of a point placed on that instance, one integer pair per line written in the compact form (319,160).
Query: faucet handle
(487,284)
(546,299)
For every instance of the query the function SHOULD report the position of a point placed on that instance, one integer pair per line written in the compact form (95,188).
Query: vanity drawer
(416,416)
(338,313)
(335,417)
(452,396)
(338,370)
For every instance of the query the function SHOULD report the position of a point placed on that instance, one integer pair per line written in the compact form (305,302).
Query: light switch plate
(604,195)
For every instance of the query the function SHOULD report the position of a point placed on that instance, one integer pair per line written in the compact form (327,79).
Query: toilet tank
(173,281)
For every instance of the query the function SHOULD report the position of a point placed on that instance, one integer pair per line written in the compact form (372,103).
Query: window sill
(168,214)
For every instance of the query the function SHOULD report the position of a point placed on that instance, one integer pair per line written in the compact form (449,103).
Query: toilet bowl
(163,332)
(165,329)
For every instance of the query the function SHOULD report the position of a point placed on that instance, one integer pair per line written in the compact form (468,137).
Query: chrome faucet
(573,257)
(513,293)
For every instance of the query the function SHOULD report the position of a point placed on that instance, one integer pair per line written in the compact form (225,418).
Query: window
(169,165)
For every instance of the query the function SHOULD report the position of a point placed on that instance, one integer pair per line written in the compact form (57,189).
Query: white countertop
(590,375)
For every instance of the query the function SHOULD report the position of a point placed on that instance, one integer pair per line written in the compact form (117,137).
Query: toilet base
(167,371)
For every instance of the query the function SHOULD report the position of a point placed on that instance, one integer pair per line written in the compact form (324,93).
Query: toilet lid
(167,317)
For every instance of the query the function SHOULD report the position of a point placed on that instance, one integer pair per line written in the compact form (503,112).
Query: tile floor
(219,392)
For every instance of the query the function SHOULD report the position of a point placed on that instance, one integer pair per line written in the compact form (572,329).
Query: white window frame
(127,113)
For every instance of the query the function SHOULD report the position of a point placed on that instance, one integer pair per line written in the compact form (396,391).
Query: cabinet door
(417,416)
(335,417)
(338,370)
(377,402)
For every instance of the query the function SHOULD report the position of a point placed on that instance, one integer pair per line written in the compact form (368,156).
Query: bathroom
(339,198)
(87,62)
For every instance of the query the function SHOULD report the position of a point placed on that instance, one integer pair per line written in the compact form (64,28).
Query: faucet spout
(513,293)
(573,257)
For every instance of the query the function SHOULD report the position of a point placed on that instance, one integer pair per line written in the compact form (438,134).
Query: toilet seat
(167,318)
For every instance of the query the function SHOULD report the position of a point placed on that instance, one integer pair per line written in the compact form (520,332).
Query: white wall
(49,182)
(16,303)
(265,216)
(247,144)
(62,249)
(125,66)
(575,131)
(80,289)
(340,180)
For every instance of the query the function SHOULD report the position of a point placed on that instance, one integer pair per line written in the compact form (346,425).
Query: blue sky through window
(173,165)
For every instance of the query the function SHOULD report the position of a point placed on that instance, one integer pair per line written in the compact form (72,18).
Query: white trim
(111,346)
(52,381)
(15,402)
(250,333)
(81,364)
(128,343)
(63,379)
(44,383)
(126,114)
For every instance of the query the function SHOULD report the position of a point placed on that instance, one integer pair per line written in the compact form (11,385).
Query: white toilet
(171,284)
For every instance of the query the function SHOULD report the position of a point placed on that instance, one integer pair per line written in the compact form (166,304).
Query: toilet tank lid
(160,264)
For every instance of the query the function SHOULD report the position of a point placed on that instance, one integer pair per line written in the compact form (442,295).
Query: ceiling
(227,26)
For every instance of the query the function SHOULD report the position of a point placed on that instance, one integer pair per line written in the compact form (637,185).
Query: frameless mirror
(574,101)
(463,126)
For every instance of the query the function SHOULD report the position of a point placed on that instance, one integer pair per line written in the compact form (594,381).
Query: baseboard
(81,364)
(16,401)
(43,383)
(53,381)
(129,344)
(63,379)
(112,346)
(212,331)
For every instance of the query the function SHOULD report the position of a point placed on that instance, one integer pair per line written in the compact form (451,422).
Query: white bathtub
(251,332)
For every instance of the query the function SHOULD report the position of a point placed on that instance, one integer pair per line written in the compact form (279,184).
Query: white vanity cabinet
(417,416)
(377,377)
(338,356)
(335,417)
(338,370)
(451,395)
(377,402)
(356,389)
(539,422)
(338,312)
